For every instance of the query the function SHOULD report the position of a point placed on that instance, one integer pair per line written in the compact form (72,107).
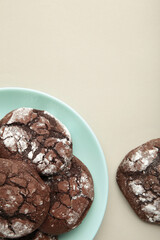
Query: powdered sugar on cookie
(153,210)
(137,187)
(20,115)
(14,138)
(140,159)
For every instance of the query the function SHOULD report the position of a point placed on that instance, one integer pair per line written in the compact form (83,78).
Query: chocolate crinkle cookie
(37,235)
(72,194)
(24,199)
(37,137)
(138,177)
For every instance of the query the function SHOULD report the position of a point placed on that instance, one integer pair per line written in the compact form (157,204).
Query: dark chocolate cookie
(24,199)
(138,177)
(37,235)
(37,136)
(72,194)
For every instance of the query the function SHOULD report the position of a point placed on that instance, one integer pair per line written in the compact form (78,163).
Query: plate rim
(3,89)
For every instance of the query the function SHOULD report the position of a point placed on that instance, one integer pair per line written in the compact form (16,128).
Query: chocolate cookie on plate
(37,235)
(38,137)
(72,193)
(138,177)
(24,199)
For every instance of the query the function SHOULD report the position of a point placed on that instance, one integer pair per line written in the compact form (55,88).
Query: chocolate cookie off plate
(85,146)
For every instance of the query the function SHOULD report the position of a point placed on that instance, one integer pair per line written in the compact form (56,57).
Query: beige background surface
(103,59)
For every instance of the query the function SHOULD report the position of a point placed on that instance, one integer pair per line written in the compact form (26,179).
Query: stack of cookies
(44,189)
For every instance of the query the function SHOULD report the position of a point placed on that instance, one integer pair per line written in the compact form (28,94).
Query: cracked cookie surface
(72,193)
(138,177)
(37,235)
(38,137)
(24,199)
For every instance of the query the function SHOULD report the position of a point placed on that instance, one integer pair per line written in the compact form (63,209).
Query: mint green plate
(85,146)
